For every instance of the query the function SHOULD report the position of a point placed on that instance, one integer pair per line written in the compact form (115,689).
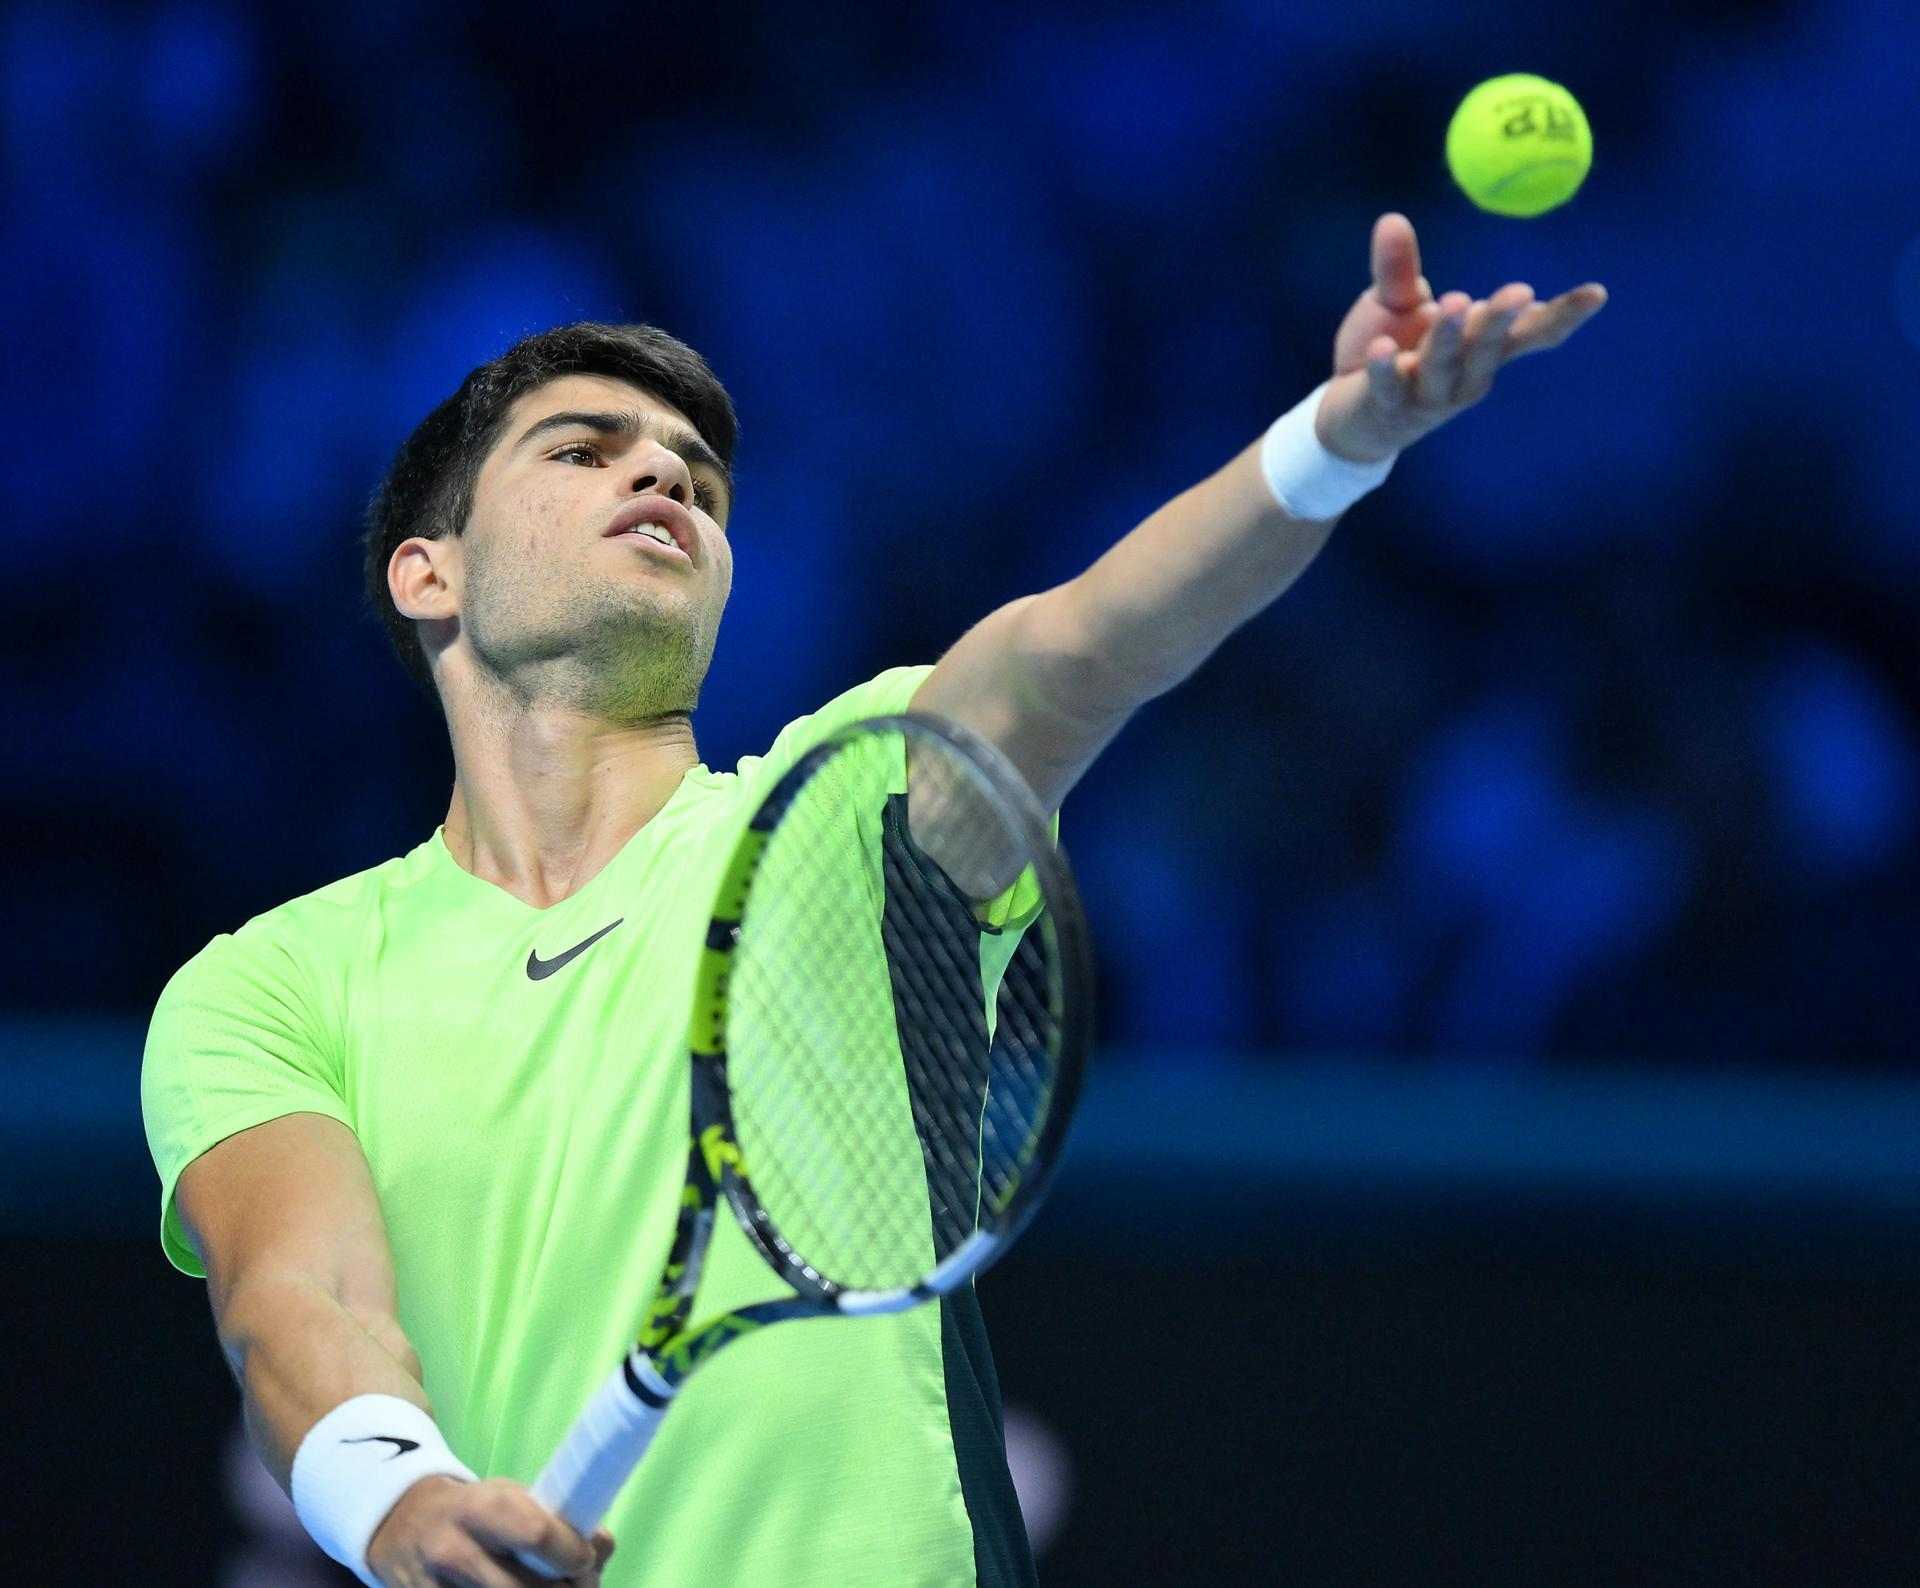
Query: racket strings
(887,1099)
(809,1037)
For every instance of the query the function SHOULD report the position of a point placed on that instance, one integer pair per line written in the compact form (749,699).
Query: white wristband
(354,1465)
(1306,479)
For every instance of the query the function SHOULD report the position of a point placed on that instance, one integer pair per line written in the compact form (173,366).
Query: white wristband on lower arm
(1306,479)
(354,1465)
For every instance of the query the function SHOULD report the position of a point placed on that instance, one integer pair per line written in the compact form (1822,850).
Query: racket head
(888,1046)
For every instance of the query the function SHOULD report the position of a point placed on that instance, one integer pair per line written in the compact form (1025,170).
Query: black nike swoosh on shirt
(400,1446)
(539,969)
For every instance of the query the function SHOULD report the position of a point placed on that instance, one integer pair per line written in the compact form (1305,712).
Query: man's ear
(416,580)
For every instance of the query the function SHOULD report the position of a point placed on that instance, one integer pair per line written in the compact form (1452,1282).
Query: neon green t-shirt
(526,1128)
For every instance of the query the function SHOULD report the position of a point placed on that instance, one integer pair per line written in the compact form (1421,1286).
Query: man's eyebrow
(626,424)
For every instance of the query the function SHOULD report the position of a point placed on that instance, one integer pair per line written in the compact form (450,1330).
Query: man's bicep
(237,1039)
(1024,679)
(290,1200)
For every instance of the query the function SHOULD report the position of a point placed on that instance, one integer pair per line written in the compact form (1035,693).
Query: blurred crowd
(1592,735)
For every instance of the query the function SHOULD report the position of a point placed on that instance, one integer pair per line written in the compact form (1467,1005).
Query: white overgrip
(603,1446)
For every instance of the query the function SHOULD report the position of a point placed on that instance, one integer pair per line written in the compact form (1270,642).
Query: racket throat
(968,1258)
(645,1380)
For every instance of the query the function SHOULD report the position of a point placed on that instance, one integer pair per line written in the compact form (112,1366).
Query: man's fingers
(1462,351)
(1548,324)
(1486,340)
(1486,351)
(1386,380)
(1397,281)
(511,1523)
(1439,368)
(480,1570)
(458,1561)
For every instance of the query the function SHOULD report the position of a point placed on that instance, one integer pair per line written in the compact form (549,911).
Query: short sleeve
(235,1041)
(1019,907)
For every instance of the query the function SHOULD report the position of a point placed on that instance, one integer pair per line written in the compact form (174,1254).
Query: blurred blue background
(1592,735)
(1587,750)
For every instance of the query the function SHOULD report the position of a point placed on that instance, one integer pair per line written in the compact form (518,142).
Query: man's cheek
(550,516)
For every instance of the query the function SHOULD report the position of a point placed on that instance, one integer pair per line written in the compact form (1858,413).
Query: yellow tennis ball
(1519,145)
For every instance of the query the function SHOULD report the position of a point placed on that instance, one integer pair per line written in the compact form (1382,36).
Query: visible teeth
(654,532)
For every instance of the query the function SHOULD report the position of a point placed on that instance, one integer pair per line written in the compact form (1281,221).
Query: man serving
(407,1125)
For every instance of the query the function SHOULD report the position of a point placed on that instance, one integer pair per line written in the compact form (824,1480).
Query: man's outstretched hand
(1405,362)
(444,1531)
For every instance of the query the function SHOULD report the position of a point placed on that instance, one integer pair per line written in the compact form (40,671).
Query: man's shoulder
(310,925)
(347,896)
(884,694)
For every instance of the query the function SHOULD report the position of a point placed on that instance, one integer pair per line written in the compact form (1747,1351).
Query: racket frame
(614,1431)
(723,1167)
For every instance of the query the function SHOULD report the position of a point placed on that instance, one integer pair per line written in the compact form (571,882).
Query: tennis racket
(889,1024)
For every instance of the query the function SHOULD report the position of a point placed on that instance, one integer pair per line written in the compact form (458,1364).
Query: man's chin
(646,680)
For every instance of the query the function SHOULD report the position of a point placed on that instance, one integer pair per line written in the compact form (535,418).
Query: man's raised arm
(1052,677)
(286,1221)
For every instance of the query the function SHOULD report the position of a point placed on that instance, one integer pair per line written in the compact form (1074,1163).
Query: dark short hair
(429,488)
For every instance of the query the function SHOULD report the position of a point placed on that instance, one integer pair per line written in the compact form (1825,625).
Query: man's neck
(543,798)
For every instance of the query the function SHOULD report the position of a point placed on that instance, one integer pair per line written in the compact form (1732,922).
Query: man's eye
(705,496)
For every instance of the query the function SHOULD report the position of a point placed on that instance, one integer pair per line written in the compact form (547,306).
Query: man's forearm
(1161,599)
(1052,677)
(297,1352)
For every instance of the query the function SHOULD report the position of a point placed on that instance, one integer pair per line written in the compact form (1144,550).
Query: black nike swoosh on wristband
(539,969)
(400,1446)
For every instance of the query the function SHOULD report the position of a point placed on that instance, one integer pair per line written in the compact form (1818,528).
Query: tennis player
(418,1128)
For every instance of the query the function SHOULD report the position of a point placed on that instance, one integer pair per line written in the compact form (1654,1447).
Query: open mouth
(654,538)
(659,521)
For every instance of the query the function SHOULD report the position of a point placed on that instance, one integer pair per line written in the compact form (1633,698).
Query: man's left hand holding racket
(447,1531)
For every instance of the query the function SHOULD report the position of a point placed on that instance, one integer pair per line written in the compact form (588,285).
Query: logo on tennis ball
(1519,145)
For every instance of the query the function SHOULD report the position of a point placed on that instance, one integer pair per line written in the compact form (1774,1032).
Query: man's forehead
(587,391)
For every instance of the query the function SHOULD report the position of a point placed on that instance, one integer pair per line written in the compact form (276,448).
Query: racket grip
(604,1444)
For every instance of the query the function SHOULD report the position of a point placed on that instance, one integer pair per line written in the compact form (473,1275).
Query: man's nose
(657,469)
